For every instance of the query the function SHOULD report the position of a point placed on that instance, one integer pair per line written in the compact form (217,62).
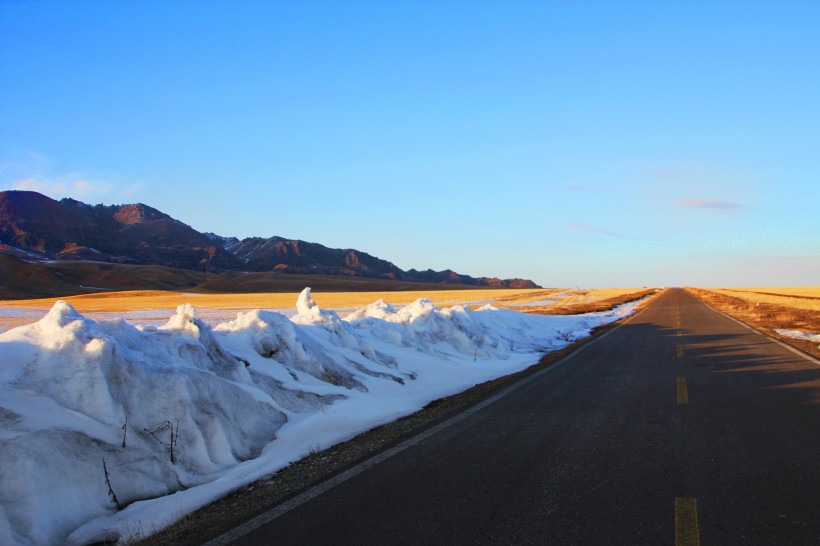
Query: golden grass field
(771,308)
(577,297)
(165,302)
(798,297)
(156,299)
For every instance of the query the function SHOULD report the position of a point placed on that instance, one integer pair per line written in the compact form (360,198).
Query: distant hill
(35,228)
(293,256)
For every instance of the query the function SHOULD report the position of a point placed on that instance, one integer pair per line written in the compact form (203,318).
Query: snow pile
(110,430)
(797,334)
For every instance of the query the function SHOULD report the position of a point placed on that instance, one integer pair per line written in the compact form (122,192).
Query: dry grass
(583,297)
(770,311)
(797,297)
(157,305)
(155,299)
(574,302)
(799,291)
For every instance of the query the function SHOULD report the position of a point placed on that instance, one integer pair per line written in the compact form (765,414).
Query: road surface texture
(679,427)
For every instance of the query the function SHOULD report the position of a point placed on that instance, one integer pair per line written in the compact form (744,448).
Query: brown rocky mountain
(294,256)
(451,277)
(36,225)
(34,228)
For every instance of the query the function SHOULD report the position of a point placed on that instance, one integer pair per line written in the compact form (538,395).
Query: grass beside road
(162,303)
(157,299)
(797,297)
(770,309)
(592,301)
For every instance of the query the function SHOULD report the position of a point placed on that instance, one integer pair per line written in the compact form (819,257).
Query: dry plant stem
(111,493)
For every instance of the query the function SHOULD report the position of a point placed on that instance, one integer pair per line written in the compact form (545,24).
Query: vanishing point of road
(680,426)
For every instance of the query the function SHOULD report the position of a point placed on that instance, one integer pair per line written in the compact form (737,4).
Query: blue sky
(573,143)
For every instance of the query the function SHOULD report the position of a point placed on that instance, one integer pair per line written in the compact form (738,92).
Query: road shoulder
(246,503)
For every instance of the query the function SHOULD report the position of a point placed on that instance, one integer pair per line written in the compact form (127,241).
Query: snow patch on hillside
(107,429)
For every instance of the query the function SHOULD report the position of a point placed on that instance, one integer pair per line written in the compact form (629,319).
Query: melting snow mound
(107,429)
(797,334)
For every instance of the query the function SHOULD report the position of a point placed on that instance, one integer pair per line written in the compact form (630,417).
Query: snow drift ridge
(103,421)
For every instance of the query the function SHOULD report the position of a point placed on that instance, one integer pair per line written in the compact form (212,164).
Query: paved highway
(679,427)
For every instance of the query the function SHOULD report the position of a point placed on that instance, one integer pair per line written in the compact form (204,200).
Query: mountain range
(36,229)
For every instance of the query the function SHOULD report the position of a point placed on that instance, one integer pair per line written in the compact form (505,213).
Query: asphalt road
(681,425)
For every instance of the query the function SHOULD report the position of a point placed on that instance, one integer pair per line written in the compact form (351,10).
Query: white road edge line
(764,334)
(315,491)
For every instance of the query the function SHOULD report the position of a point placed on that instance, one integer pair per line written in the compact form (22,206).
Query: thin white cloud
(63,186)
(27,184)
(600,231)
(566,188)
(593,229)
(708,204)
(32,171)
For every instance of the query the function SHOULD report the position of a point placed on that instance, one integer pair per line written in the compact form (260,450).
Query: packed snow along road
(797,334)
(110,431)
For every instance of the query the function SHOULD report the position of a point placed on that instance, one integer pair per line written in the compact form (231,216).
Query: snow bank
(110,430)
(797,334)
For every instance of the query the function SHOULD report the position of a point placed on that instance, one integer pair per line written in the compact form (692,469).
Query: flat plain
(798,297)
(155,306)
(771,308)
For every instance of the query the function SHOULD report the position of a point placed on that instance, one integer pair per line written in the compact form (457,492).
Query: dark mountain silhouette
(451,277)
(72,230)
(34,228)
(294,256)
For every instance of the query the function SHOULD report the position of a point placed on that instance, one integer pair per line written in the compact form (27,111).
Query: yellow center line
(683,393)
(686,522)
(679,351)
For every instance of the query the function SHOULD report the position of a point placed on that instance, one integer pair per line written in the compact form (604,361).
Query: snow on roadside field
(797,334)
(108,430)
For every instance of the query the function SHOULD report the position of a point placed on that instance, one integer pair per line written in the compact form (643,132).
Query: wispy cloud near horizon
(566,188)
(33,171)
(68,186)
(708,204)
(600,231)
